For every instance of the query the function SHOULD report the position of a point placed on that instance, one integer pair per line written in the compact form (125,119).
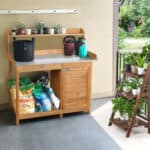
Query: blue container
(83,51)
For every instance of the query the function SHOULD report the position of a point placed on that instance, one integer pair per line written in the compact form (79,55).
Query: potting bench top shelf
(70,31)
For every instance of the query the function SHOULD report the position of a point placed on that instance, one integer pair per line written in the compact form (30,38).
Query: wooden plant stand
(134,122)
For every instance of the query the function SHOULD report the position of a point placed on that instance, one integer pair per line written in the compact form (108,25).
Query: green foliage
(122,36)
(128,58)
(127,12)
(138,12)
(120,86)
(140,60)
(143,10)
(134,83)
(136,33)
(19,25)
(123,106)
(127,18)
(146,51)
(40,25)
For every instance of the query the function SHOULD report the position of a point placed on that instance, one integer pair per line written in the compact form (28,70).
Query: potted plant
(126,86)
(46,30)
(28,31)
(133,64)
(40,27)
(14,31)
(127,61)
(127,18)
(135,86)
(20,28)
(140,60)
(63,29)
(51,30)
(124,106)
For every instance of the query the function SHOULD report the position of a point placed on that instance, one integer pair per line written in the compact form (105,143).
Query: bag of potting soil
(23,81)
(26,99)
(41,98)
(38,107)
(26,104)
(55,100)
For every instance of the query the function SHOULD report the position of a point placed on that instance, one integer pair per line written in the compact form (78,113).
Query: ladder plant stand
(136,119)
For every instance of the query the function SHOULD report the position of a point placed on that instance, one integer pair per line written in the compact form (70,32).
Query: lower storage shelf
(124,124)
(40,114)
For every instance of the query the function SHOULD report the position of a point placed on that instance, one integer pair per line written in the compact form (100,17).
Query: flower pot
(40,31)
(21,31)
(51,31)
(127,67)
(63,30)
(28,31)
(134,69)
(125,116)
(140,71)
(13,32)
(46,30)
(126,89)
(34,31)
(135,92)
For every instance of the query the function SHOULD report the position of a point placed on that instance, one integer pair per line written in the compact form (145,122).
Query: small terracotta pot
(21,31)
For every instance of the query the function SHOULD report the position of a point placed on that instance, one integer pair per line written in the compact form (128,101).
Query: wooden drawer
(31,68)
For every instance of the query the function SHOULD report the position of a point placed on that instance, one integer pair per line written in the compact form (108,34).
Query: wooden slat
(43,67)
(72,109)
(49,52)
(133,75)
(124,124)
(40,114)
(75,31)
(56,84)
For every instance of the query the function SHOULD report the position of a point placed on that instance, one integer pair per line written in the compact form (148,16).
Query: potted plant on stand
(133,63)
(127,61)
(140,60)
(126,86)
(124,106)
(135,86)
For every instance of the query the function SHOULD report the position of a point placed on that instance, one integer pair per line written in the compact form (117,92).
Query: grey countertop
(53,59)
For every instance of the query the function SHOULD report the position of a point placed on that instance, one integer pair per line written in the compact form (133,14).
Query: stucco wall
(95,16)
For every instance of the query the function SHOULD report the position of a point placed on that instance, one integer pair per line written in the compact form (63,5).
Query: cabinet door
(76,86)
